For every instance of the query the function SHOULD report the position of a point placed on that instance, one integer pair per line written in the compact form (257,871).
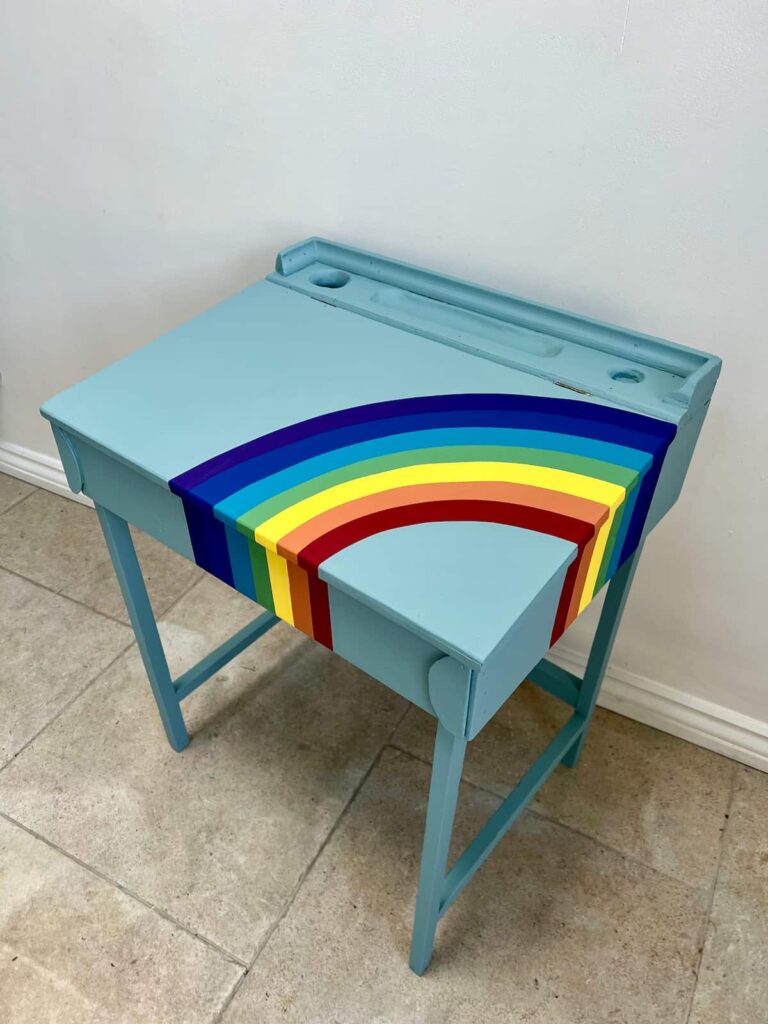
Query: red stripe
(543,521)
(578,587)
(321,609)
(567,597)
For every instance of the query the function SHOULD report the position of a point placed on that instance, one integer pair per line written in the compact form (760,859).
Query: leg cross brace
(168,692)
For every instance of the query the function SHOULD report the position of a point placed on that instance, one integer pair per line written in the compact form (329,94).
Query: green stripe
(617,521)
(261,575)
(596,468)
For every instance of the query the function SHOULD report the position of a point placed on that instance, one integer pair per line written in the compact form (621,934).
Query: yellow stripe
(269,532)
(281,588)
(596,560)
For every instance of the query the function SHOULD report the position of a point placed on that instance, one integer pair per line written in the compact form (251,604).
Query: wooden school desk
(431,478)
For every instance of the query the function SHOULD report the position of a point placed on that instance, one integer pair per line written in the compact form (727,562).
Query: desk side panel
(126,492)
(516,655)
(393,655)
(675,469)
(386,651)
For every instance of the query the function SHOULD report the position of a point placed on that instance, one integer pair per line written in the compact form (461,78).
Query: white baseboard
(37,468)
(676,712)
(656,704)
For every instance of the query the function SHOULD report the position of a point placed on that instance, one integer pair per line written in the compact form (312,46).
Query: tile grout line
(15,503)
(125,890)
(67,705)
(99,674)
(161,912)
(629,857)
(122,888)
(90,608)
(74,600)
(568,828)
(64,597)
(342,813)
(711,901)
(176,600)
(307,871)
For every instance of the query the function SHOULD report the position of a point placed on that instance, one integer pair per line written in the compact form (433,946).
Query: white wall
(607,157)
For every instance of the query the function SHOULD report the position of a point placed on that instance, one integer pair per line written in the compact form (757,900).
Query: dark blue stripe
(240,561)
(640,513)
(357,416)
(256,467)
(209,542)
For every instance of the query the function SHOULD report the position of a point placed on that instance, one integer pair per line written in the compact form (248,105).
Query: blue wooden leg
(449,693)
(447,763)
(602,645)
(128,571)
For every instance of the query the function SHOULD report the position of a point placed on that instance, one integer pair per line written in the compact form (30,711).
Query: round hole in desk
(627,376)
(330,279)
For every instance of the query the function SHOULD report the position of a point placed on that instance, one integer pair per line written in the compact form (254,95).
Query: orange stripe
(300,602)
(581,578)
(523,494)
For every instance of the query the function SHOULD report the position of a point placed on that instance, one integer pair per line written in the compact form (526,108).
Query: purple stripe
(381,411)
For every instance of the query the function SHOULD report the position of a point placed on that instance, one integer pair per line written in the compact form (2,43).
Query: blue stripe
(209,542)
(574,410)
(236,505)
(213,491)
(240,561)
(644,499)
(626,520)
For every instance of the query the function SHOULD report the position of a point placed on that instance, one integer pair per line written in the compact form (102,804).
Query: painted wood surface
(421,399)
(265,516)
(437,513)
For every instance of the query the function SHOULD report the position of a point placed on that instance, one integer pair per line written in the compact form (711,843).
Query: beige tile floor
(267,873)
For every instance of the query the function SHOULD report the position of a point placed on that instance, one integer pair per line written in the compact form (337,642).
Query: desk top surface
(334,331)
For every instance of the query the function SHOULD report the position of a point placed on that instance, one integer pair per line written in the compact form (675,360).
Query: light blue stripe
(239,559)
(626,519)
(237,504)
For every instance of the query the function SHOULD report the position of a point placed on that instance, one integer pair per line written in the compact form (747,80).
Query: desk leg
(449,695)
(129,576)
(447,763)
(602,645)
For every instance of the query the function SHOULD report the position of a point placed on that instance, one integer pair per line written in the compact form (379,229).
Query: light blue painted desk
(431,478)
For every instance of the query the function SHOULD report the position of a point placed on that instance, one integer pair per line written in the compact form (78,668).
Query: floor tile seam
(308,870)
(20,500)
(158,618)
(92,681)
(703,934)
(630,858)
(187,590)
(115,884)
(68,704)
(331,832)
(84,604)
(65,597)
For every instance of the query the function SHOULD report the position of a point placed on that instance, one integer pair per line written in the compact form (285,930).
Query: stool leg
(447,763)
(602,645)
(129,576)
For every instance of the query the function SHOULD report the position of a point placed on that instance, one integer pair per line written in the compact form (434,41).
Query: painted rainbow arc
(265,515)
